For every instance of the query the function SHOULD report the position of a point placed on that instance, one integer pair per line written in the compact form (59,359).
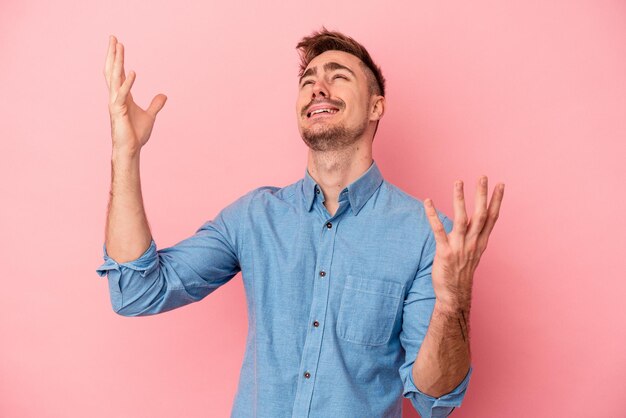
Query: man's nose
(320,89)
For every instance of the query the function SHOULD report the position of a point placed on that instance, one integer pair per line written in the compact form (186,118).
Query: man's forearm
(444,357)
(127,234)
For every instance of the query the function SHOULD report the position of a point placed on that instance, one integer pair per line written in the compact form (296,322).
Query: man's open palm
(131,126)
(458,253)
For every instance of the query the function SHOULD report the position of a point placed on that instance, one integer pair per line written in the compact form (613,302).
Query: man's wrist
(451,307)
(124,153)
(456,316)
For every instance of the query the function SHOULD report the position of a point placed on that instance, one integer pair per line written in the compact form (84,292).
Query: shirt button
(329,225)
(317,190)
(322,273)
(307,374)
(316,324)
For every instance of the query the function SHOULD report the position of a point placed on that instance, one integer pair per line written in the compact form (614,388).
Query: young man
(357,292)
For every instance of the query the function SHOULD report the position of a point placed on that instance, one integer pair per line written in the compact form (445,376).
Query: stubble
(332,138)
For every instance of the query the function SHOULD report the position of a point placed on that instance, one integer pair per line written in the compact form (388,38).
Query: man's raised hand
(131,126)
(458,253)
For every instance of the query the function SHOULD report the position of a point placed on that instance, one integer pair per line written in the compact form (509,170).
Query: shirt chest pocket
(368,310)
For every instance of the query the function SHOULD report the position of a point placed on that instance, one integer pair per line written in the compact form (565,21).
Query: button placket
(313,344)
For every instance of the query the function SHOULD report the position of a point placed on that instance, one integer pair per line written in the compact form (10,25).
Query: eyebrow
(329,66)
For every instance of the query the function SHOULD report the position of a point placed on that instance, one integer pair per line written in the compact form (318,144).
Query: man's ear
(378,108)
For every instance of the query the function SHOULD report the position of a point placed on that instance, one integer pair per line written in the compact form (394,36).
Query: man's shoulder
(266,193)
(401,199)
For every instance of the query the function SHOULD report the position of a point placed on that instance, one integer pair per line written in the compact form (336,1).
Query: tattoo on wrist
(461,325)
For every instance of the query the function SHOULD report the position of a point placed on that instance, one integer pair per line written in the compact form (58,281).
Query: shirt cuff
(431,407)
(144,264)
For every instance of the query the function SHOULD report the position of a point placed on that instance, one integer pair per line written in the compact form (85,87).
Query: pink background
(530,93)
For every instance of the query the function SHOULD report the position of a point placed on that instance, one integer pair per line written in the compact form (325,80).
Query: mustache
(337,103)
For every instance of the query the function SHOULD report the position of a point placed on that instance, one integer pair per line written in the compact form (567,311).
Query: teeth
(323,110)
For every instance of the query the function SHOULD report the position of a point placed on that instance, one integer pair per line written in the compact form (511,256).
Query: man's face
(333,106)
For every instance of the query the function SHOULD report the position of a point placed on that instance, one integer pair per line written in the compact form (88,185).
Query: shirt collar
(359,191)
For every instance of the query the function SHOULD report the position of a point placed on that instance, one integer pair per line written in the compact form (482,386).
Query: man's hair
(325,40)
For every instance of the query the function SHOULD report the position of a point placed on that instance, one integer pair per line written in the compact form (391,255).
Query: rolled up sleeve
(130,270)
(428,406)
(417,311)
(162,280)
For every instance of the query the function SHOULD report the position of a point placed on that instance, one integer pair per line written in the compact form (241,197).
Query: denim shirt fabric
(338,306)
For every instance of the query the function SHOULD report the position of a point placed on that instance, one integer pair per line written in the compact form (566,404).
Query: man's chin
(324,138)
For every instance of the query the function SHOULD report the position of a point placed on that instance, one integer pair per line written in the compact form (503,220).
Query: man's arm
(142,280)
(127,234)
(444,357)
(168,278)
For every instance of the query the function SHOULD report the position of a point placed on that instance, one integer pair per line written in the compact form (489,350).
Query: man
(356,291)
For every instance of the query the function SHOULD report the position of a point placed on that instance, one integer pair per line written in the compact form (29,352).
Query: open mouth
(322,112)
(321,109)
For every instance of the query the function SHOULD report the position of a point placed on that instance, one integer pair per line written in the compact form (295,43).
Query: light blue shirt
(338,306)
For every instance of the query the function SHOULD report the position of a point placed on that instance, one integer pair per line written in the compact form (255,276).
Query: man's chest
(345,273)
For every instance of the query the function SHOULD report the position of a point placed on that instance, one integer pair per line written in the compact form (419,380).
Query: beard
(334,137)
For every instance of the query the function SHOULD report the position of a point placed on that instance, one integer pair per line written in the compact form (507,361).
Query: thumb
(157,104)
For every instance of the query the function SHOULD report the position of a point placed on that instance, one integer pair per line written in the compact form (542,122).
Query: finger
(157,104)
(125,88)
(118,70)
(115,73)
(493,212)
(110,58)
(435,223)
(460,214)
(480,208)
(123,73)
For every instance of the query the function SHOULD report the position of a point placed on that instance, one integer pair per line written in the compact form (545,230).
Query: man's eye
(340,76)
(307,82)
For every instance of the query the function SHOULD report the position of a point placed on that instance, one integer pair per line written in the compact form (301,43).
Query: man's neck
(334,170)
